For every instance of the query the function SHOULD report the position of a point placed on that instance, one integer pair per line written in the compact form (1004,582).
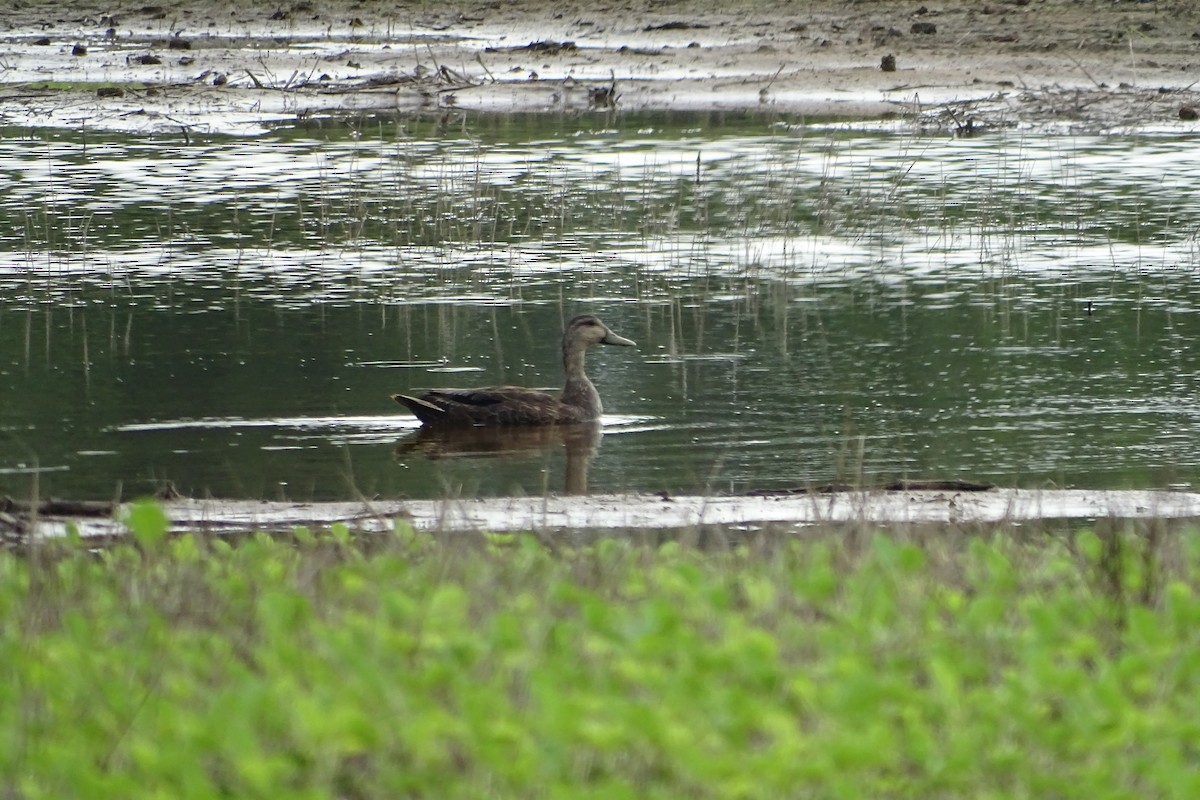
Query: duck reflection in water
(579,442)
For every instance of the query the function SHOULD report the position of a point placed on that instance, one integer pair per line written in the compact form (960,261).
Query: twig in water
(1086,74)
(262,62)
(479,58)
(437,68)
(604,96)
(311,72)
(773,77)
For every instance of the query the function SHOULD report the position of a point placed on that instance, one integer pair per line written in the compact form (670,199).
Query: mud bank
(625,512)
(190,68)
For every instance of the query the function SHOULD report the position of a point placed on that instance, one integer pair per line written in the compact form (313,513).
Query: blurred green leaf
(147,522)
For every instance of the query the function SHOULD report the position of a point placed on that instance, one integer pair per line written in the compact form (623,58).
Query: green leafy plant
(902,664)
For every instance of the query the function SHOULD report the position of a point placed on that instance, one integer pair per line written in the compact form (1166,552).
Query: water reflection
(578,443)
(813,305)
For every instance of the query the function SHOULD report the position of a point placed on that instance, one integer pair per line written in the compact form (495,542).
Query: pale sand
(1094,66)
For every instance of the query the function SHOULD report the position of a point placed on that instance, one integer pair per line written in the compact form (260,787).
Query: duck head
(588,330)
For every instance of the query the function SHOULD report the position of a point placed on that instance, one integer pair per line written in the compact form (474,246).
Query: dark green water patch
(811,305)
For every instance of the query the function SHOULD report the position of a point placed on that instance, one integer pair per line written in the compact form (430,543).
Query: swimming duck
(514,405)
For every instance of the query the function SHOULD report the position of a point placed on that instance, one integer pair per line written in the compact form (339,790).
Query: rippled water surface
(811,304)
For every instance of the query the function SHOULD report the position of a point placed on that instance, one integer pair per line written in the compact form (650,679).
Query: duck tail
(423,409)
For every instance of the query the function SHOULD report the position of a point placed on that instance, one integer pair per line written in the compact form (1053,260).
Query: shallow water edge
(648,512)
(187,69)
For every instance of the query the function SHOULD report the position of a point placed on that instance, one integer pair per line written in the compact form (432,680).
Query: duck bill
(612,338)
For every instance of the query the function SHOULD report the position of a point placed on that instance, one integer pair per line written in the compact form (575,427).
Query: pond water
(812,303)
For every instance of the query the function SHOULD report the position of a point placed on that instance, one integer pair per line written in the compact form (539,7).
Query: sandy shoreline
(203,68)
(645,512)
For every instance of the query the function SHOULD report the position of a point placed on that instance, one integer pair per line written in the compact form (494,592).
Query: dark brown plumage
(514,405)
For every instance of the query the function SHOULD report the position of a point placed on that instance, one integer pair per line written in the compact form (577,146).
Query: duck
(489,406)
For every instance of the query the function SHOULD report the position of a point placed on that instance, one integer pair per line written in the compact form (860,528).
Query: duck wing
(488,405)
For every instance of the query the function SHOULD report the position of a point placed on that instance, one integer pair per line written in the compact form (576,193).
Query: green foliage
(148,523)
(404,665)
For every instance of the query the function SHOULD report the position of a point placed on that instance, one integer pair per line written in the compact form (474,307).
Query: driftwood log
(894,486)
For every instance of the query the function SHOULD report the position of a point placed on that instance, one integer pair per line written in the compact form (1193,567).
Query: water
(812,304)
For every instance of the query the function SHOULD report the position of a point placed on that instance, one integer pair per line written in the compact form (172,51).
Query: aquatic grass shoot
(909,663)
